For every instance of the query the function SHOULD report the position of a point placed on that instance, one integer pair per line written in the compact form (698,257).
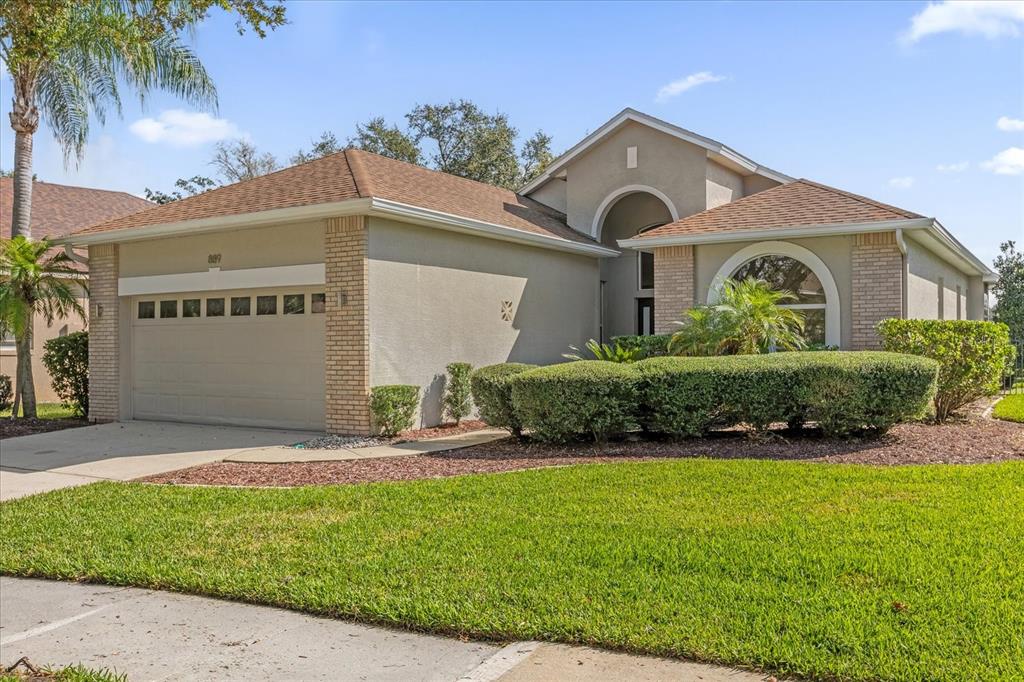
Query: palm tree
(34,280)
(749,318)
(68,61)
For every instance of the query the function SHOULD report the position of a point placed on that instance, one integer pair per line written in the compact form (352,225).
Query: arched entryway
(627,282)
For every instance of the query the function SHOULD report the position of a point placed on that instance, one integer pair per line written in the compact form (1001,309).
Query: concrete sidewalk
(152,635)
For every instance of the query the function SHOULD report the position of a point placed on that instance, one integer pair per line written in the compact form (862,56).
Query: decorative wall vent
(506,311)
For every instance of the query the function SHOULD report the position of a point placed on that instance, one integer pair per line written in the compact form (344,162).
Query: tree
(326,145)
(190,187)
(748,319)
(378,137)
(1009,289)
(536,156)
(34,281)
(240,160)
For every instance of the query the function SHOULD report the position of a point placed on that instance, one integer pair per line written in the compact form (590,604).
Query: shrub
(843,392)
(609,352)
(492,394)
(973,356)
(457,399)
(393,407)
(6,394)
(67,360)
(589,398)
(649,346)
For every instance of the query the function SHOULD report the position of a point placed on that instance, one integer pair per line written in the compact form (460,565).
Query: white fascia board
(775,233)
(448,221)
(663,126)
(221,223)
(939,241)
(216,279)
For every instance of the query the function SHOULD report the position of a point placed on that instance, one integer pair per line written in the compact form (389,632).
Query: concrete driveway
(120,452)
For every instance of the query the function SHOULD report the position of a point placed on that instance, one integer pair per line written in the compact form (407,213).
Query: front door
(644,316)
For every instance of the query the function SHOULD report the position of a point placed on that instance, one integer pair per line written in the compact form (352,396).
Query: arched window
(784,273)
(794,268)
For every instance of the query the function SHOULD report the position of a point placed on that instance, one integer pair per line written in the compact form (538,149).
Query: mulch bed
(338,442)
(969,441)
(12,428)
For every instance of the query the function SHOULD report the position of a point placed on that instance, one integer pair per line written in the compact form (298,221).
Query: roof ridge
(84,188)
(440,172)
(862,199)
(364,185)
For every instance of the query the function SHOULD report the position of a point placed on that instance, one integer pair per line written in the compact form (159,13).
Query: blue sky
(901,102)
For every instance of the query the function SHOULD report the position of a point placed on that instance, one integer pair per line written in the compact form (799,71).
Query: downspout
(901,244)
(70,253)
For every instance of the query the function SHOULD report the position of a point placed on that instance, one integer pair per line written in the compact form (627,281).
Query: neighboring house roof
(716,150)
(799,203)
(353,175)
(58,210)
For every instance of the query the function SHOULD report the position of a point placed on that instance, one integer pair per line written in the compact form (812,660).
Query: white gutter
(372,206)
(901,244)
(69,251)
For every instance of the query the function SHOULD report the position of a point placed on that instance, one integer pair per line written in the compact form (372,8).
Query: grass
(71,673)
(813,570)
(47,411)
(1010,408)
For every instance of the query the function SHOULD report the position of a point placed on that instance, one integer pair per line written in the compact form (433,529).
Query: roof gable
(58,210)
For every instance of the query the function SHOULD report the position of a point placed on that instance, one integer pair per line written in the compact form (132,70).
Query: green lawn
(47,411)
(1010,408)
(72,673)
(826,571)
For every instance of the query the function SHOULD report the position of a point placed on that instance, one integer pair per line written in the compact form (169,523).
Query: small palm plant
(606,351)
(34,281)
(749,318)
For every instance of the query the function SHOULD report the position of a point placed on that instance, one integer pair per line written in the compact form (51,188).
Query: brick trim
(347,339)
(104,334)
(877,286)
(674,285)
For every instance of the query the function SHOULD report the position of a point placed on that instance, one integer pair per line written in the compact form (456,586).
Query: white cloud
(1010,125)
(678,87)
(184,128)
(905,182)
(988,18)
(959,167)
(1007,162)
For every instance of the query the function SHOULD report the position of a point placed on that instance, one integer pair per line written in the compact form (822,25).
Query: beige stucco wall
(43,332)
(436,297)
(925,270)
(293,244)
(723,185)
(833,251)
(552,193)
(752,184)
(666,163)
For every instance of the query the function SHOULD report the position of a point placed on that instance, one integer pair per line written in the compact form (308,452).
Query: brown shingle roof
(355,174)
(793,204)
(60,209)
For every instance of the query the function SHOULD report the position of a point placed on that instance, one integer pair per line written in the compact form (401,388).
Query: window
(941,304)
(215,307)
(644,316)
(266,305)
(168,309)
(646,270)
(147,310)
(63,331)
(784,273)
(190,307)
(317,303)
(294,304)
(7,340)
(240,305)
(959,305)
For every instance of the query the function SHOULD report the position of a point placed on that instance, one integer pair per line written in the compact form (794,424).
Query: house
(56,211)
(281,300)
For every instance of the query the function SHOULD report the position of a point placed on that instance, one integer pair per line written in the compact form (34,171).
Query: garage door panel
(258,370)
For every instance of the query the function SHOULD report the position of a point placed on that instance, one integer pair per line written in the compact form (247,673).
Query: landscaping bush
(492,394)
(6,393)
(973,356)
(608,352)
(457,400)
(843,392)
(393,407)
(650,345)
(67,360)
(588,398)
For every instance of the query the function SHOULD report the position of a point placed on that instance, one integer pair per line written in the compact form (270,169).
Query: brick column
(347,351)
(104,342)
(877,268)
(673,286)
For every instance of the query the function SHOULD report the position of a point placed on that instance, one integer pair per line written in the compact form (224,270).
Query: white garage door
(251,357)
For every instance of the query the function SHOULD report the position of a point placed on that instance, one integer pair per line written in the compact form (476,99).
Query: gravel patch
(971,441)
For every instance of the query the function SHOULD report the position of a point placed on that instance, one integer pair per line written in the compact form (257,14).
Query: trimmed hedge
(584,398)
(393,407)
(457,402)
(974,356)
(66,358)
(844,392)
(492,394)
(650,345)
(6,393)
